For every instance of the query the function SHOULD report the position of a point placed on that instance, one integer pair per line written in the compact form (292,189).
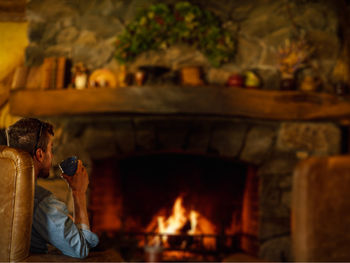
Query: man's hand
(80,180)
(79,183)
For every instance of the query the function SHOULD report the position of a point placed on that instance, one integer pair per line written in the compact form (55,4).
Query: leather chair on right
(321,209)
(16,203)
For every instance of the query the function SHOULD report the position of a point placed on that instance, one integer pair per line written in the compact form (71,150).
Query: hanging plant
(161,26)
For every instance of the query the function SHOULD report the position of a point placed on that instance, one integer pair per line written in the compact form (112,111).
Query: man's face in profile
(44,172)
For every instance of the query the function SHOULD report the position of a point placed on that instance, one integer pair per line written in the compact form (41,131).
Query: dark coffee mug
(69,166)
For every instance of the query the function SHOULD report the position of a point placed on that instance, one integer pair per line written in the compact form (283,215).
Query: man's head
(35,137)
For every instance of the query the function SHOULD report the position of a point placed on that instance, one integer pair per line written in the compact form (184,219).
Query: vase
(80,81)
(140,77)
(309,83)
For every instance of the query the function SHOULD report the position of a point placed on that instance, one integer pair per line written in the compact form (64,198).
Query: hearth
(135,158)
(182,206)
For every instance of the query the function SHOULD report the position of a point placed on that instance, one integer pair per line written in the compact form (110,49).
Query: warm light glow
(194,221)
(175,223)
(12,46)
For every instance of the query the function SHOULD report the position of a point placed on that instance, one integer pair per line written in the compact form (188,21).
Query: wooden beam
(206,100)
(12,10)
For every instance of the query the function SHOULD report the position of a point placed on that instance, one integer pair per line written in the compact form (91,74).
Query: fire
(179,222)
(194,221)
(176,221)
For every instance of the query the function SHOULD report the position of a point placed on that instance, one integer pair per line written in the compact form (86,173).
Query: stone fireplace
(85,31)
(272,148)
(129,196)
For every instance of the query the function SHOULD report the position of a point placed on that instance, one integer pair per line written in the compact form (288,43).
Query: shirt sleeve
(52,222)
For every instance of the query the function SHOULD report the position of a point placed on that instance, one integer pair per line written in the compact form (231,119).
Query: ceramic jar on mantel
(191,75)
(309,83)
(287,82)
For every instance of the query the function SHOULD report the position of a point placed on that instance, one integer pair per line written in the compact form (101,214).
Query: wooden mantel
(204,100)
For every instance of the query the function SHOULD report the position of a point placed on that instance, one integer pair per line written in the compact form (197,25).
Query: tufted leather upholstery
(16,203)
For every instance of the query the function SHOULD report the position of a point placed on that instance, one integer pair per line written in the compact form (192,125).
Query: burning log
(183,241)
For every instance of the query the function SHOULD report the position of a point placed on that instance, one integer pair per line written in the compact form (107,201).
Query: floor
(113,256)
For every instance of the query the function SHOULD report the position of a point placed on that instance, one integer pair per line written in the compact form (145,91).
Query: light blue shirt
(52,225)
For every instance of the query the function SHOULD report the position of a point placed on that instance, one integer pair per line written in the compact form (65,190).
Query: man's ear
(39,154)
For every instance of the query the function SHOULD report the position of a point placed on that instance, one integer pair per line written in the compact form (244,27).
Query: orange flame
(177,220)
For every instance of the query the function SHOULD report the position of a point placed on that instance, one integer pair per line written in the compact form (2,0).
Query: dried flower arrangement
(161,26)
(293,56)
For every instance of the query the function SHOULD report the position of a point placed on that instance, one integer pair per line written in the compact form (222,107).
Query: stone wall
(273,147)
(86,31)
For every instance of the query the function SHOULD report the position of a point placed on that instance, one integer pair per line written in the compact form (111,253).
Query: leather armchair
(321,209)
(16,212)
(16,203)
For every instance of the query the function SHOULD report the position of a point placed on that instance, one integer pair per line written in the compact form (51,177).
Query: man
(52,223)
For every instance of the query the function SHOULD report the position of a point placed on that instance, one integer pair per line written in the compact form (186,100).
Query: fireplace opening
(186,206)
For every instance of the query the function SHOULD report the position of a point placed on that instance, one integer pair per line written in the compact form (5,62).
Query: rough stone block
(199,137)
(100,143)
(172,135)
(271,227)
(258,144)
(35,31)
(145,135)
(104,27)
(264,20)
(124,133)
(277,250)
(315,138)
(248,53)
(34,55)
(86,37)
(67,35)
(271,196)
(227,138)
(279,164)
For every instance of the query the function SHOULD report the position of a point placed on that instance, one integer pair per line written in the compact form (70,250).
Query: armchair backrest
(321,209)
(16,203)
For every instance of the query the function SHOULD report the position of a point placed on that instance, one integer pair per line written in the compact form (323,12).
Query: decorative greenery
(161,26)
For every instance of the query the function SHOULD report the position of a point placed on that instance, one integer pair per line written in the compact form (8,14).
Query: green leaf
(161,25)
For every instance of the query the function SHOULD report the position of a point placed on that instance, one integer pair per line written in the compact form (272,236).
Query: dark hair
(29,134)
(3,137)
